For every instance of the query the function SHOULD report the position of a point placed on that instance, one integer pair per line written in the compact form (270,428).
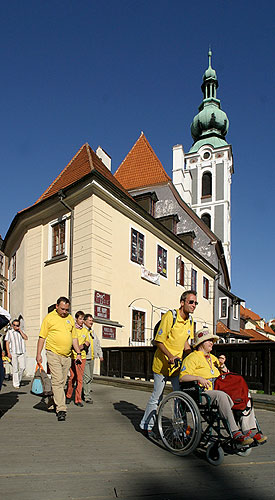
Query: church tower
(203,175)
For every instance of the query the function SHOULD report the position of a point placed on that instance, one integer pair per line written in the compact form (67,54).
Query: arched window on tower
(206,184)
(206,218)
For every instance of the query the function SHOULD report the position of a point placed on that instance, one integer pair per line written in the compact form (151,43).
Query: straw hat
(204,334)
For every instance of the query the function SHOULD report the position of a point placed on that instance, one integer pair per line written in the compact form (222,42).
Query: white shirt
(16,342)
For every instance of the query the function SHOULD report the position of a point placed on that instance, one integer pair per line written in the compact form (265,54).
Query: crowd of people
(71,346)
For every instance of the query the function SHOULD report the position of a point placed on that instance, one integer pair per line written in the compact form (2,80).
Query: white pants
(18,362)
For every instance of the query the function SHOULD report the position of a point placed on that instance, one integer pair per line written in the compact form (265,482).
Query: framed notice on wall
(102,305)
(108,332)
(102,312)
(103,299)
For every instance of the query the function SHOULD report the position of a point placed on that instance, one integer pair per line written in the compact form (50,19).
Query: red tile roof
(255,336)
(141,167)
(222,328)
(83,163)
(268,329)
(247,313)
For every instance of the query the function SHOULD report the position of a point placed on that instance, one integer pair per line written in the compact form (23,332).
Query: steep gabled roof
(141,167)
(83,163)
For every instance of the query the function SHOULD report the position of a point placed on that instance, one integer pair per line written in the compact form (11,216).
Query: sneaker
(259,438)
(151,434)
(79,404)
(89,401)
(243,439)
(68,400)
(61,416)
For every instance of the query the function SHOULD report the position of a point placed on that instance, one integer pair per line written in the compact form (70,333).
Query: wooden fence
(255,361)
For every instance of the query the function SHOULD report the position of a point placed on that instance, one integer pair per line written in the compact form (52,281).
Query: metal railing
(255,361)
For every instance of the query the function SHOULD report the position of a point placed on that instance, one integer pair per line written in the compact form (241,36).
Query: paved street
(98,453)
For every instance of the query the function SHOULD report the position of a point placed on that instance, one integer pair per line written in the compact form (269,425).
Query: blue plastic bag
(37,387)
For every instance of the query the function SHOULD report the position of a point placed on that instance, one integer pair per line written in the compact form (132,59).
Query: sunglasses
(192,302)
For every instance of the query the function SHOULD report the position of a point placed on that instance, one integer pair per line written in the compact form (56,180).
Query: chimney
(182,179)
(105,158)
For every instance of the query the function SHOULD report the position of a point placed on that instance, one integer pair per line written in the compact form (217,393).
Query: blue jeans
(149,417)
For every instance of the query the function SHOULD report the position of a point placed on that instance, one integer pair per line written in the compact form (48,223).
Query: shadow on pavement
(131,411)
(41,405)
(8,400)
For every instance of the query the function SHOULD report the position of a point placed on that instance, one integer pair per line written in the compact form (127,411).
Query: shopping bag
(41,385)
(37,387)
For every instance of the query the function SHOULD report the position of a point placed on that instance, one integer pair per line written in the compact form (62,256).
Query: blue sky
(102,71)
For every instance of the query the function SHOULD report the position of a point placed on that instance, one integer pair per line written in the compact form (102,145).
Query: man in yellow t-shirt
(59,332)
(171,340)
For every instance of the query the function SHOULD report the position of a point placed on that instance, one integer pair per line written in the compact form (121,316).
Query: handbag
(41,384)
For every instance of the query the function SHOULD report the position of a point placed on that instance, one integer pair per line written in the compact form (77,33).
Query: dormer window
(147,201)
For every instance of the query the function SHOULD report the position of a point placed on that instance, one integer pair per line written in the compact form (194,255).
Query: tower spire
(210,125)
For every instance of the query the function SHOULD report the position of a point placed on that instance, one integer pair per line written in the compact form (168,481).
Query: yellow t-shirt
(59,333)
(174,338)
(197,364)
(83,336)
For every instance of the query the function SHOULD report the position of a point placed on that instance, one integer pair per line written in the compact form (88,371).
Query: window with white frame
(137,247)
(205,288)
(138,326)
(235,310)
(223,307)
(194,276)
(162,261)
(179,271)
(13,267)
(58,238)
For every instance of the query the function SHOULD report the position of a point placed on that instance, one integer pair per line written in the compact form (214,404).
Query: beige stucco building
(87,238)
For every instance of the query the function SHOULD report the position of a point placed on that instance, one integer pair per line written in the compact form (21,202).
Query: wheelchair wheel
(214,454)
(179,423)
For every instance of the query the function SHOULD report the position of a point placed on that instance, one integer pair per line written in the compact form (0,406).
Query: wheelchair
(188,421)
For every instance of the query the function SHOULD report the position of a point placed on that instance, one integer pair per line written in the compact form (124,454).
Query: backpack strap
(174,313)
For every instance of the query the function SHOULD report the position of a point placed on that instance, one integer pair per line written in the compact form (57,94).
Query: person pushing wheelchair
(171,341)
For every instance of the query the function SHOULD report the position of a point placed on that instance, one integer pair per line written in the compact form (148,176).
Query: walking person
(77,368)
(94,351)
(4,320)
(16,351)
(59,332)
(171,341)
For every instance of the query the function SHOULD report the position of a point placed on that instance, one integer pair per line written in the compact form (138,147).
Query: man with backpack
(171,341)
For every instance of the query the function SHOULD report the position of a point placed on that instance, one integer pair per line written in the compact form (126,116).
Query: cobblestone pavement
(98,453)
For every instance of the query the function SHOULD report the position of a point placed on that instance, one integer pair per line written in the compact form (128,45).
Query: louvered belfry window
(58,242)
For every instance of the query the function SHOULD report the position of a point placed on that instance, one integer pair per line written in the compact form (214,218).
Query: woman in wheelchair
(204,367)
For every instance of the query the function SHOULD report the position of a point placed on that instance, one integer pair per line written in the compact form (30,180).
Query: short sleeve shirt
(173,337)
(59,333)
(83,336)
(197,364)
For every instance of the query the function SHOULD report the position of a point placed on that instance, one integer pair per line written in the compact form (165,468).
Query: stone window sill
(58,258)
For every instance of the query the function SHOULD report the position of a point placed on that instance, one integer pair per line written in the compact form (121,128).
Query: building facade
(86,237)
